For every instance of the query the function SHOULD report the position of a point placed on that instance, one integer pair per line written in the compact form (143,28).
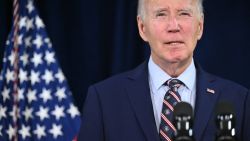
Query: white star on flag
(48,76)
(39,23)
(13,113)
(29,24)
(23,76)
(38,41)
(11,58)
(22,22)
(9,76)
(20,94)
(30,6)
(6,94)
(31,96)
(73,111)
(60,93)
(43,113)
(27,41)
(34,77)
(40,131)
(25,131)
(60,76)
(45,95)
(11,132)
(37,59)
(20,39)
(28,113)
(49,57)
(58,112)
(3,112)
(24,59)
(56,130)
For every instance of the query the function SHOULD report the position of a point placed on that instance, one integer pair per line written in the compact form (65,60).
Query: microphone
(225,122)
(183,121)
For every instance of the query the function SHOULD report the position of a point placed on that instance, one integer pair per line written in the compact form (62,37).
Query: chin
(173,61)
(176,59)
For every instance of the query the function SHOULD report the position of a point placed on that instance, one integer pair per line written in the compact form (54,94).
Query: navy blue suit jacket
(120,108)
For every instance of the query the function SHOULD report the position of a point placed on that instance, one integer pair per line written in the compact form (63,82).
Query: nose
(173,25)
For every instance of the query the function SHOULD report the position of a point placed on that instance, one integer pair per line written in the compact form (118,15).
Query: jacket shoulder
(121,79)
(229,85)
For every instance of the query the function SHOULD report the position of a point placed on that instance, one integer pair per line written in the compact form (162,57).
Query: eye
(185,14)
(160,14)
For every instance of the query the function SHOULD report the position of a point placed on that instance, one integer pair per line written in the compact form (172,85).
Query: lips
(174,42)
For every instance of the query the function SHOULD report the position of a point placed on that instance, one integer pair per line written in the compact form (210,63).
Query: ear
(141,28)
(200,27)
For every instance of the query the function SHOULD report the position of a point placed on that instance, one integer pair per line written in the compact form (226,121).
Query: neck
(174,69)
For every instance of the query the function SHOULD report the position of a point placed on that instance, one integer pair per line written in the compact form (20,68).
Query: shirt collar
(159,77)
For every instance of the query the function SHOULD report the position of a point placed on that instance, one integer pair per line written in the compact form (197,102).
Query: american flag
(35,100)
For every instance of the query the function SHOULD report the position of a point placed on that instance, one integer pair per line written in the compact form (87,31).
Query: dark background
(95,39)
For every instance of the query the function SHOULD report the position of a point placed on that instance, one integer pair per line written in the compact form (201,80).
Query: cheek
(191,32)
(156,30)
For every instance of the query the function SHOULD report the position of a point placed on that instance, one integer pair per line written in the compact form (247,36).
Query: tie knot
(173,83)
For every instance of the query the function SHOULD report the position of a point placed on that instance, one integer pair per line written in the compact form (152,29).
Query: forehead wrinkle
(193,6)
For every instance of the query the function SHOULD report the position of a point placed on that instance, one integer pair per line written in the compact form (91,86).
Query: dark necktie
(170,100)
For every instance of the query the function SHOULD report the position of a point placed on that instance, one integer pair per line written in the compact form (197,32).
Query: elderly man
(138,105)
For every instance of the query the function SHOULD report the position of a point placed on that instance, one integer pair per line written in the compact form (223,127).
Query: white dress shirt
(157,77)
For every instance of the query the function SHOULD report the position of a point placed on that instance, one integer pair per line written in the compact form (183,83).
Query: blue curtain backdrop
(95,39)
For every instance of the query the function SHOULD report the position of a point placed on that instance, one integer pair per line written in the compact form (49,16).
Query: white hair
(141,12)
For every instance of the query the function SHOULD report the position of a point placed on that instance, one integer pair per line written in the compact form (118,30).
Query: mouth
(174,43)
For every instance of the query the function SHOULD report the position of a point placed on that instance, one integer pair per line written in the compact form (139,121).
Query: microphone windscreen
(224,108)
(183,109)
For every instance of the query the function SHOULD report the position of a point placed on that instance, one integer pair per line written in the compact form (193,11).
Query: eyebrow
(186,10)
(180,10)
(160,10)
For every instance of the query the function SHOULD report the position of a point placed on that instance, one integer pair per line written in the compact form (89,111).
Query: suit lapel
(206,98)
(139,95)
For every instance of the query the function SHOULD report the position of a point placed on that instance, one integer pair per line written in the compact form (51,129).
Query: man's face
(172,29)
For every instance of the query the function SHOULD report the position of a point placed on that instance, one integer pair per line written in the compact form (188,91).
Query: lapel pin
(210,91)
